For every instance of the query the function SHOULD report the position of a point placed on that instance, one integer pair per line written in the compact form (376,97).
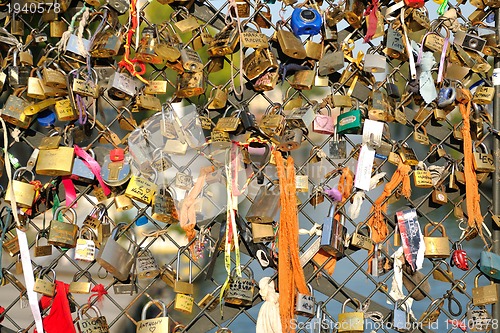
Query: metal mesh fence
(351,278)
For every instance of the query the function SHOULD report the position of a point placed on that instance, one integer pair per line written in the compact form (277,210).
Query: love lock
(459,257)
(446,97)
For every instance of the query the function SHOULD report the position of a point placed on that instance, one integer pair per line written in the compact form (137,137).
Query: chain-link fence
(320,157)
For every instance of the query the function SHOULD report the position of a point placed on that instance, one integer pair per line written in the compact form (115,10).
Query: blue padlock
(306,21)
(446,97)
(46,118)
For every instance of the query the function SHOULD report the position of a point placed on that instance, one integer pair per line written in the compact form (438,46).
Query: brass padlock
(428,317)
(10,243)
(225,42)
(262,233)
(439,196)
(273,123)
(45,287)
(483,95)
(266,82)
(63,234)
(218,98)
(159,324)
(351,322)
(484,295)
(97,324)
(292,139)
(57,28)
(13,111)
(24,192)
(164,206)
(53,78)
(407,155)
(436,247)
(55,162)
(240,291)
(191,60)
(42,250)
(290,44)
(85,245)
(483,161)
(190,84)
(64,110)
(146,265)
(331,61)
(147,46)
(210,301)
(263,18)
(444,276)
(361,241)
(148,102)
(35,89)
(304,79)
(81,287)
(184,300)
(252,39)
(258,62)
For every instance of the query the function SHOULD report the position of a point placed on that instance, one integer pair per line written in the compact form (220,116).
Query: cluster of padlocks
(91,93)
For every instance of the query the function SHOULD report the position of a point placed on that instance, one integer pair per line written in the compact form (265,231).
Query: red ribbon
(91,163)
(59,319)
(99,292)
(371,22)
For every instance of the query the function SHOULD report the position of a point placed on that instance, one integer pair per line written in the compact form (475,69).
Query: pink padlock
(324,124)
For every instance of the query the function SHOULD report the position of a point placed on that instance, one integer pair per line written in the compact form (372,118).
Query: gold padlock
(160,324)
(55,162)
(422,177)
(484,295)
(63,234)
(65,111)
(190,84)
(53,78)
(351,322)
(436,247)
(483,161)
(141,189)
(23,192)
(45,287)
(290,44)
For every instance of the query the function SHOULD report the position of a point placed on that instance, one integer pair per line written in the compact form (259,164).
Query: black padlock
(392,90)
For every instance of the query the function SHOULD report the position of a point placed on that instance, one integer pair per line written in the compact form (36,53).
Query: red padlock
(459,257)
(2,310)
(414,3)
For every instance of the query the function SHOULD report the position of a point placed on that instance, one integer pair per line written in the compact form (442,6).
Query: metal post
(496,174)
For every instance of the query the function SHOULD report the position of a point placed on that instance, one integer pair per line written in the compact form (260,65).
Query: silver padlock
(184,180)
(116,259)
(331,61)
(122,86)
(292,139)
(97,324)
(374,62)
(304,305)
(400,317)
(147,268)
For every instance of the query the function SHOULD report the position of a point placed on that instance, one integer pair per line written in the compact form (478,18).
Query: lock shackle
(476,279)
(119,226)
(276,108)
(19,173)
(178,265)
(319,310)
(331,211)
(223,330)
(436,227)
(78,275)
(441,261)
(421,166)
(44,270)
(63,210)
(359,226)
(85,308)
(179,11)
(354,300)
(86,230)
(400,304)
(246,270)
(158,303)
(248,21)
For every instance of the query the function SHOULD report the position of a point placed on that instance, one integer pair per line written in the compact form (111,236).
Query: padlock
(10,243)
(445,275)
(353,12)
(218,98)
(17,75)
(459,257)
(436,247)
(210,301)
(266,82)
(394,44)
(164,206)
(290,44)
(483,161)
(159,324)
(81,170)
(190,84)
(265,205)
(349,122)
(490,264)
(97,324)
(422,177)
(146,265)
(478,320)
(80,287)
(13,111)
(302,183)
(63,234)
(407,155)
(148,102)
(184,300)
(191,60)
(303,79)
(121,86)
(228,124)
(430,316)
(324,123)
(120,6)
(64,110)
(292,139)
(306,21)
(469,40)
(35,89)
(53,78)
(333,234)
(273,122)
(263,18)
(361,241)
(259,62)
(141,189)
(85,245)
(57,28)
(55,162)
(225,42)
(400,317)
(116,259)
(42,250)
(128,286)
(331,62)
(314,50)
(262,233)
(240,291)
(338,147)
(45,287)
(484,295)
(24,192)
(374,62)
(351,322)
(439,196)
(304,304)
(147,45)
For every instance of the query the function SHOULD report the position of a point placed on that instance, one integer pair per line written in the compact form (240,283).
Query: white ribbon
(268,320)
(315,230)
(397,281)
